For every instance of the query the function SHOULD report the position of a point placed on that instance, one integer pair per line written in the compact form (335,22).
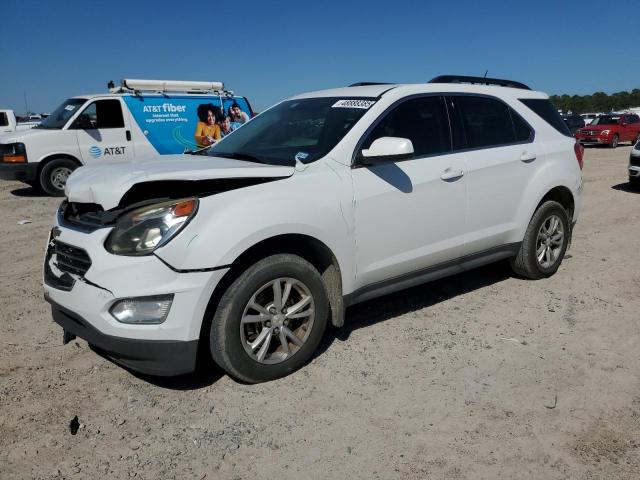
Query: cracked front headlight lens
(143,230)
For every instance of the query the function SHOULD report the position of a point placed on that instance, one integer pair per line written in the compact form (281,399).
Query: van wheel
(614,141)
(545,242)
(54,174)
(270,320)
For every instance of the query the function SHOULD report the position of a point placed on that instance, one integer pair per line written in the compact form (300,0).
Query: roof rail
(478,80)
(366,84)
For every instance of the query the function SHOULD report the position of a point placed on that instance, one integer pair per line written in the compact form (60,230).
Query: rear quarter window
(4,121)
(545,109)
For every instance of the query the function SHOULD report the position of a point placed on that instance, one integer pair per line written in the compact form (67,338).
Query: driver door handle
(452,174)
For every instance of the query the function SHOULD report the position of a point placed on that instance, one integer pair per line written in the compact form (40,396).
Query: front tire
(270,320)
(545,242)
(614,141)
(54,175)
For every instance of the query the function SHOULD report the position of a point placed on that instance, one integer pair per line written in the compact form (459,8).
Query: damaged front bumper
(82,281)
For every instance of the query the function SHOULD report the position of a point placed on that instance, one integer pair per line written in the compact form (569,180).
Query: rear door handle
(128,135)
(452,174)
(527,157)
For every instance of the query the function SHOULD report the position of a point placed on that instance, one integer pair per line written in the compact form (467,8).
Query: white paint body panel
(379,222)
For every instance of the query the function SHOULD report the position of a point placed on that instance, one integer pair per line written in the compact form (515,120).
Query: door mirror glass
(388,149)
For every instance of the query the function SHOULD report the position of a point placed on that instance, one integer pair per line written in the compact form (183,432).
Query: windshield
(61,115)
(303,130)
(606,120)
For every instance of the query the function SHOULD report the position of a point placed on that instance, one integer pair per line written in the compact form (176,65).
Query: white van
(139,118)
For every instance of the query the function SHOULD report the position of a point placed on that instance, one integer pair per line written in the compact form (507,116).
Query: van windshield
(61,115)
(296,130)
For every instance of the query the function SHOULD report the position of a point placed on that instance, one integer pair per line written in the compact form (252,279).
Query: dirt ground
(481,375)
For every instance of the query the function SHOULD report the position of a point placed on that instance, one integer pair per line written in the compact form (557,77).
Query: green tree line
(598,102)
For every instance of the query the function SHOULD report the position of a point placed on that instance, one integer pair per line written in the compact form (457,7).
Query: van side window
(422,120)
(101,114)
(4,121)
(487,122)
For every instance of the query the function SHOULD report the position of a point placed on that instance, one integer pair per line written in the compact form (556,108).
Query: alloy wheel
(550,241)
(277,320)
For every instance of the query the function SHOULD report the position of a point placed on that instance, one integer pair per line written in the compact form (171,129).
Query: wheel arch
(55,156)
(311,249)
(563,196)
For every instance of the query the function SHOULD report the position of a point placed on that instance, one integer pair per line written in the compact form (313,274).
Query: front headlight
(143,230)
(13,153)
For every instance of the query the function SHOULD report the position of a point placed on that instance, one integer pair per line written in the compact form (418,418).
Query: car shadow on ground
(27,191)
(359,316)
(413,299)
(626,187)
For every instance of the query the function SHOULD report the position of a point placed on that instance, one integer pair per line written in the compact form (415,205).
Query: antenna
(485,73)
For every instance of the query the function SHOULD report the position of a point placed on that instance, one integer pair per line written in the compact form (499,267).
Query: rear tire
(545,242)
(54,174)
(614,141)
(248,317)
(634,182)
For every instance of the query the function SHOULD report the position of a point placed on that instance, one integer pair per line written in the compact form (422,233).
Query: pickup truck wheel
(270,320)
(614,141)
(54,174)
(545,242)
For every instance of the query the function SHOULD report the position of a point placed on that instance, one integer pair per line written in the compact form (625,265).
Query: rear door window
(487,122)
(4,121)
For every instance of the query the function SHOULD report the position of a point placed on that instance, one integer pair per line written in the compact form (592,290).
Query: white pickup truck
(8,122)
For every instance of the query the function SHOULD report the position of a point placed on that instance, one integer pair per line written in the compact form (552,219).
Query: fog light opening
(142,310)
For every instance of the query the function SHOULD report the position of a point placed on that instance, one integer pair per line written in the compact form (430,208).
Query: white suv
(324,200)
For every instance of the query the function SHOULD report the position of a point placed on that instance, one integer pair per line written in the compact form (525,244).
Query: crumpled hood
(106,182)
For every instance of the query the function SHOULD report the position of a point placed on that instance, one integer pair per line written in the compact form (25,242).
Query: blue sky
(51,50)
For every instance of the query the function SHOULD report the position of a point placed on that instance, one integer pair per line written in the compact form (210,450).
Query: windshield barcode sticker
(364,104)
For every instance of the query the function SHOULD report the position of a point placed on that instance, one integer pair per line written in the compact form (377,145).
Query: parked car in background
(634,166)
(9,122)
(325,200)
(142,117)
(574,122)
(589,117)
(610,129)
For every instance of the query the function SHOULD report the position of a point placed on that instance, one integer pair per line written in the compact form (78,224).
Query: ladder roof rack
(479,81)
(165,86)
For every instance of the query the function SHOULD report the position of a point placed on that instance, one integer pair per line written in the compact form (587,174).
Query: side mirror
(624,124)
(387,149)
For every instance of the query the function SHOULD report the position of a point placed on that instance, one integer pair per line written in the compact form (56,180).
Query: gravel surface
(481,375)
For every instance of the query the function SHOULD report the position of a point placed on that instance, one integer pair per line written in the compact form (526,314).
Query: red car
(611,129)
